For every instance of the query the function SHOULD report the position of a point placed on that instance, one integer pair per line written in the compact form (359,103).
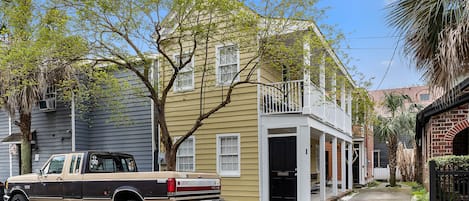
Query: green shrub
(454,162)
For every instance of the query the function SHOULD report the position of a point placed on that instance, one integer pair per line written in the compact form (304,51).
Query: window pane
(56,165)
(229,156)
(227,73)
(77,165)
(185,156)
(72,164)
(424,97)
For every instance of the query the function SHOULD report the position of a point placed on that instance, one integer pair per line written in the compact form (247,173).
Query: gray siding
(4,148)
(81,132)
(133,138)
(54,133)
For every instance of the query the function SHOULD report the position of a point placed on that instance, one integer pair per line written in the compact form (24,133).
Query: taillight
(171,184)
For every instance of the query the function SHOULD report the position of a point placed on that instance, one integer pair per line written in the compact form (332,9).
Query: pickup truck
(111,176)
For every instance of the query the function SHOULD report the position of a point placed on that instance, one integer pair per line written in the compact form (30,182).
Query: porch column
(303,153)
(322,167)
(350,163)
(342,161)
(334,166)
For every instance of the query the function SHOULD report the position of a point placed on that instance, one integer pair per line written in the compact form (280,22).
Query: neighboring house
(59,129)
(419,95)
(442,129)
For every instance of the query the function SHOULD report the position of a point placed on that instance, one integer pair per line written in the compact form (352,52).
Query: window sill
(182,90)
(231,175)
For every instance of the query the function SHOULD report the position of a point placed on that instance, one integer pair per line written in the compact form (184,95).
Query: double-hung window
(185,78)
(228,155)
(227,64)
(185,157)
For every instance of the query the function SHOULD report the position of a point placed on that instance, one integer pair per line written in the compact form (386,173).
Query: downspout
(11,158)
(73,123)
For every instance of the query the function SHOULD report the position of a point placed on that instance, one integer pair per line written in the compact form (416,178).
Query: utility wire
(389,64)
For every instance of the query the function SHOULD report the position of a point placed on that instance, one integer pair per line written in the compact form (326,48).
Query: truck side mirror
(38,171)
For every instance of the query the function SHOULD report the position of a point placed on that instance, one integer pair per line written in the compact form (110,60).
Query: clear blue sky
(371,41)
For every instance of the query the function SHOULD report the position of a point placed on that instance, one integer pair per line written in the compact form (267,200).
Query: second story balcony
(303,97)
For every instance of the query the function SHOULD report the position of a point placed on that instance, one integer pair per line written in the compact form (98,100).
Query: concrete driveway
(382,193)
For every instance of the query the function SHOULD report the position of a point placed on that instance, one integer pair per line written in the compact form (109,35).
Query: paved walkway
(382,193)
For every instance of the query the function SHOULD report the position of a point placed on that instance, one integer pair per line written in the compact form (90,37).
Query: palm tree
(36,54)
(436,34)
(392,127)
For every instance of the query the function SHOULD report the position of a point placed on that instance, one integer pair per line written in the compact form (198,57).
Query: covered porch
(295,151)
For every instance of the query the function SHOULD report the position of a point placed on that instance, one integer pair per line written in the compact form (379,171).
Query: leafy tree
(400,122)
(125,35)
(37,52)
(436,37)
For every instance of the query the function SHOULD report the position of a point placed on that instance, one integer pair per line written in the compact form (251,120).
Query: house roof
(438,106)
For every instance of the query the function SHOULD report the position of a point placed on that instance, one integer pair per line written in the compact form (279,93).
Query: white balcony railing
(306,98)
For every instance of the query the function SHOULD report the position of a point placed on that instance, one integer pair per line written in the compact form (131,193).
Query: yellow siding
(240,116)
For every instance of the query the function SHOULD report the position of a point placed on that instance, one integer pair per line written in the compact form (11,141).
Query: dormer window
(424,97)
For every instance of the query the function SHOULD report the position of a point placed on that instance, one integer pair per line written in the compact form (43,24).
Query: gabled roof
(438,106)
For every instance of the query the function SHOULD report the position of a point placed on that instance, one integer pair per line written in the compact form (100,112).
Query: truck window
(72,164)
(55,165)
(111,163)
(75,164)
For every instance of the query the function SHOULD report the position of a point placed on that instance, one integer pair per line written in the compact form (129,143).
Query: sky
(371,42)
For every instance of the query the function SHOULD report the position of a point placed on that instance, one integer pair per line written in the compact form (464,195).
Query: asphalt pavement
(381,193)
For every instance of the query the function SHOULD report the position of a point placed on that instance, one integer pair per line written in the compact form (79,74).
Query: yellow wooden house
(266,143)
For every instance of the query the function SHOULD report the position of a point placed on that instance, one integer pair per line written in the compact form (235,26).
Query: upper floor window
(424,97)
(228,155)
(185,157)
(227,64)
(185,78)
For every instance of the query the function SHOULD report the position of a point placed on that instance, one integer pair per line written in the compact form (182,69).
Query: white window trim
(236,173)
(186,88)
(193,152)
(217,63)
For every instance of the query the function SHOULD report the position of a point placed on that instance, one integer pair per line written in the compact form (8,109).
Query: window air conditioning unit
(47,105)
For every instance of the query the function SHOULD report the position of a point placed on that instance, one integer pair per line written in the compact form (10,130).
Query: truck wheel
(19,197)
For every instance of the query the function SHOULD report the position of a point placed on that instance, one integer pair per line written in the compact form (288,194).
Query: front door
(356,164)
(282,168)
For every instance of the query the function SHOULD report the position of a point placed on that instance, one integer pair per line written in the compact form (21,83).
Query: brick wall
(442,129)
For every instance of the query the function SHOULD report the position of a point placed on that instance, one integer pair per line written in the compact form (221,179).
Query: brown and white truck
(108,176)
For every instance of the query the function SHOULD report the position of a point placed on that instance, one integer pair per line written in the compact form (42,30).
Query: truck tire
(19,197)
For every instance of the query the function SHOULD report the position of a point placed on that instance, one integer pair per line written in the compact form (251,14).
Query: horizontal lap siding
(240,116)
(4,148)
(133,137)
(54,133)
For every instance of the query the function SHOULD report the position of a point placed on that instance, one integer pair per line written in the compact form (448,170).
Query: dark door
(356,163)
(282,168)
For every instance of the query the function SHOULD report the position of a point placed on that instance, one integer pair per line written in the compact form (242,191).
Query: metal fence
(448,183)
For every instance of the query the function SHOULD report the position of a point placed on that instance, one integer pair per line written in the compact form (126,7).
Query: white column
(334,166)
(350,163)
(342,161)
(349,102)
(303,163)
(322,74)
(307,78)
(322,167)
(342,96)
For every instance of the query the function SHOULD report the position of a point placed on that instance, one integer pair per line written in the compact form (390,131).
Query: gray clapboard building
(58,131)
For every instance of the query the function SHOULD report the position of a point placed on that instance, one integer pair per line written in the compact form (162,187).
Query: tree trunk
(25,127)
(171,160)
(392,149)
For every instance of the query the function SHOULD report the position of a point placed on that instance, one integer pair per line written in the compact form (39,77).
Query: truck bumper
(6,198)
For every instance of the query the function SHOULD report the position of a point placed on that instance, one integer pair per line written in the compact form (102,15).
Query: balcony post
(343,166)
(343,106)
(334,167)
(306,79)
(322,167)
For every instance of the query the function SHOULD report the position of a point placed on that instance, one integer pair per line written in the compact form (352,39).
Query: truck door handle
(59,179)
